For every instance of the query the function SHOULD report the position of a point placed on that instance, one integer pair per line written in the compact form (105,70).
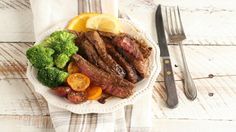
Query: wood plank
(44,124)
(208,22)
(17,25)
(13,61)
(204,61)
(19,98)
(215,100)
(176,125)
(26,123)
(19,95)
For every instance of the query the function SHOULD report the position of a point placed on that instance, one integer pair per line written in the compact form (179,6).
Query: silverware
(89,6)
(176,33)
(172,99)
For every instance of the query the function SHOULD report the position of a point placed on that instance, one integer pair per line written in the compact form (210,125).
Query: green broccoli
(51,76)
(40,57)
(61,60)
(62,42)
(63,35)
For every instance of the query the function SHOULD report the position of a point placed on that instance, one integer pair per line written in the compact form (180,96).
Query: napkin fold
(136,117)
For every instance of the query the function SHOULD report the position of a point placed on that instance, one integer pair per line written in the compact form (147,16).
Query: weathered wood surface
(210,48)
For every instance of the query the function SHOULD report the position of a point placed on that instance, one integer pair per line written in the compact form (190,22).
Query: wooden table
(210,49)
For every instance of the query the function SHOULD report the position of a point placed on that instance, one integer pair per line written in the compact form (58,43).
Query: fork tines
(173,23)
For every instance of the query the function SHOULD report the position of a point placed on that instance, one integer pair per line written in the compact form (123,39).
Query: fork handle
(172,99)
(189,86)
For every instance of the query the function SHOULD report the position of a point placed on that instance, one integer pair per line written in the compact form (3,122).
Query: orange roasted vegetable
(94,93)
(78,81)
(72,68)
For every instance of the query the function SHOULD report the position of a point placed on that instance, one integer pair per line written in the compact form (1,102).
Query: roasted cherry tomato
(77,97)
(78,81)
(94,93)
(72,68)
(61,90)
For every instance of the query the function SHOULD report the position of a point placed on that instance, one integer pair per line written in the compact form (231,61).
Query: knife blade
(172,99)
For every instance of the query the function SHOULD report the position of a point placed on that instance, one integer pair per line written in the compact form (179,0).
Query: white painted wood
(220,106)
(210,22)
(175,125)
(16,23)
(17,123)
(19,97)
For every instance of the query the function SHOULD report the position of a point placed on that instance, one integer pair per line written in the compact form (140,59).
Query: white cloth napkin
(137,117)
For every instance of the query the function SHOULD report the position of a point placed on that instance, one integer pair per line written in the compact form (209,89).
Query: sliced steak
(92,56)
(131,74)
(100,47)
(127,44)
(111,84)
(141,66)
(144,48)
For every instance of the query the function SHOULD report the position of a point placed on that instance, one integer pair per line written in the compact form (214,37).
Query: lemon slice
(103,22)
(78,23)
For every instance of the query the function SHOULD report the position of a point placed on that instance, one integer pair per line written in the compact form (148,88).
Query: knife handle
(172,99)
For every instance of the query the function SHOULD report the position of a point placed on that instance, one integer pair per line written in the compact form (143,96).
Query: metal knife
(172,99)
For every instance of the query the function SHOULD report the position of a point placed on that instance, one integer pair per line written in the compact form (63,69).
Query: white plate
(112,104)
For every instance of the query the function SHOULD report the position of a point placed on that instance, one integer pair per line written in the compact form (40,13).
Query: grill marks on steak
(128,45)
(131,74)
(100,47)
(92,56)
(141,65)
(111,84)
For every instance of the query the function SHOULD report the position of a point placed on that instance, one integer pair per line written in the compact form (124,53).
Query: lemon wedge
(104,22)
(78,23)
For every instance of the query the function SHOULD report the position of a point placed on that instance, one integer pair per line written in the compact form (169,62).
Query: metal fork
(89,6)
(176,34)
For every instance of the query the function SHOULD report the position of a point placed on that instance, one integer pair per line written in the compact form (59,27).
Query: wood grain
(19,95)
(16,123)
(16,23)
(210,22)
(215,100)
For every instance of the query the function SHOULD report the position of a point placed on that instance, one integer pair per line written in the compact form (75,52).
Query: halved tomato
(78,81)
(94,93)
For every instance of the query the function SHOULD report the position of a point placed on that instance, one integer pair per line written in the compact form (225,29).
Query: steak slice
(111,84)
(131,74)
(100,47)
(128,45)
(140,65)
(92,56)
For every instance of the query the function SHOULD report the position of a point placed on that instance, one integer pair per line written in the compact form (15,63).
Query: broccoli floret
(51,76)
(63,35)
(69,48)
(61,60)
(40,57)
(62,42)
